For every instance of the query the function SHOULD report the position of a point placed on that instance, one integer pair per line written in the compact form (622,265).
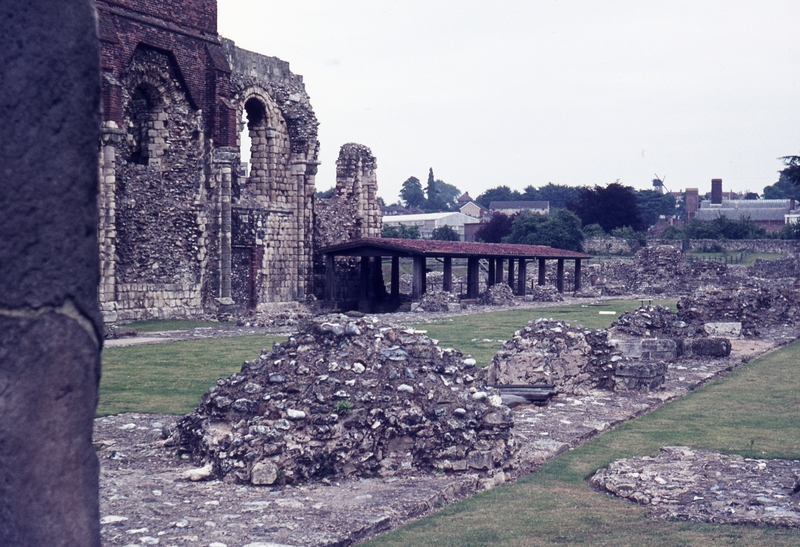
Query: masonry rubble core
(183,230)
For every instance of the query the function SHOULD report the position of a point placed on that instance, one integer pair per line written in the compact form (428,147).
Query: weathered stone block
(711,347)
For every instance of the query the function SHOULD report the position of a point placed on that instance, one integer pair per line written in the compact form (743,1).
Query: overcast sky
(520,92)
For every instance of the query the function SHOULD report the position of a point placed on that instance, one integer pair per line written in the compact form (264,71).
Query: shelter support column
(560,275)
(511,273)
(522,277)
(377,288)
(577,274)
(395,277)
(447,282)
(540,281)
(472,277)
(330,278)
(418,278)
(498,271)
(363,282)
(490,280)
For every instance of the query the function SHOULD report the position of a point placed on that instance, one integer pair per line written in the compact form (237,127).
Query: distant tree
(445,197)
(401,231)
(613,206)
(750,195)
(790,231)
(783,189)
(593,230)
(445,233)
(723,227)
(498,227)
(411,192)
(635,239)
(501,193)
(324,194)
(431,193)
(557,194)
(653,204)
(560,229)
(792,170)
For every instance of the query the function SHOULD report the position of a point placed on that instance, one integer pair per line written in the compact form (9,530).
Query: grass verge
(171,378)
(751,412)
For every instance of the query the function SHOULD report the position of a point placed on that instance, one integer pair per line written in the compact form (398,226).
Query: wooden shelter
(504,260)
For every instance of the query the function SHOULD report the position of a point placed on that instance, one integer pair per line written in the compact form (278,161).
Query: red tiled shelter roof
(375,246)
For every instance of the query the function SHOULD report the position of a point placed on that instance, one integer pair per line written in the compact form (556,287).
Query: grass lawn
(171,378)
(752,411)
(482,335)
(156,325)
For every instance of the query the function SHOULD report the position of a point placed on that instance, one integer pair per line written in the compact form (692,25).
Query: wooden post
(511,273)
(523,277)
(560,275)
(498,271)
(363,281)
(472,277)
(541,272)
(577,274)
(395,277)
(447,282)
(418,278)
(330,278)
(490,280)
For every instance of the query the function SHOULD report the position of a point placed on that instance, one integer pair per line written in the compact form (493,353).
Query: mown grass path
(753,412)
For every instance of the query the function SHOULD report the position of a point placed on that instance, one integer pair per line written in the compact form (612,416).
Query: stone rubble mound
(649,322)
(499,294)
(349,396)
(682,484)
(544,293)
(574,359)
(757,306)
(438,301)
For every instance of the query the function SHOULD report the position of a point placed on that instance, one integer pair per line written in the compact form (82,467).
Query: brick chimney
(692,202)
(716,191)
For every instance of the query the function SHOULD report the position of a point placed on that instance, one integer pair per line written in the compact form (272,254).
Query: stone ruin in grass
(749,307)
(349,397)
(573,359)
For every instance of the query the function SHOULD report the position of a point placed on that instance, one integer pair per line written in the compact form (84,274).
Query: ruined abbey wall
(182,232)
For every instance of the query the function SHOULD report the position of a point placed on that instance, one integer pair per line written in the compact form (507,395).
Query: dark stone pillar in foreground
(50,326)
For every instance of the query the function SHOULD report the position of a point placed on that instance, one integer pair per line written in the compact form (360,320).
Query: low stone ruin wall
(573,359)
(683,484)
(349,396)
(755,305)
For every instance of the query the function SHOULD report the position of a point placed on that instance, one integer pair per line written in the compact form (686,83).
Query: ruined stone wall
(606,246)
(181,234)
(783,246)
(351,213)
(279,191)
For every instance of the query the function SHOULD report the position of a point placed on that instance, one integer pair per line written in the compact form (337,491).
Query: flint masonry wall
(351,213)
(181,233)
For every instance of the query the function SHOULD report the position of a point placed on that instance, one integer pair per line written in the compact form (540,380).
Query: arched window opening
(255,146)
(148,131)
(141,106)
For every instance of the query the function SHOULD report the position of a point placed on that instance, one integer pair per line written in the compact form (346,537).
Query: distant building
(769,214)
(428,222)
(513,207)
(474,210)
